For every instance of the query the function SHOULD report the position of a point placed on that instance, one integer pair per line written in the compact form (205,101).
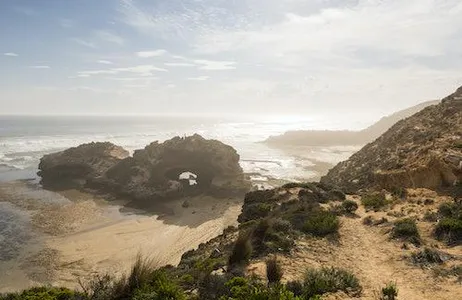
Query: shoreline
(74,239)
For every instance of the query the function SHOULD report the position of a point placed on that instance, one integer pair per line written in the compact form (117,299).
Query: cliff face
(152,172)
(424,150)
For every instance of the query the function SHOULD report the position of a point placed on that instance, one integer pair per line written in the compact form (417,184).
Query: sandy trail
(368,252)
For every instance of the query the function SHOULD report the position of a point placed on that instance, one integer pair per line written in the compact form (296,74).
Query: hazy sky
(227,56)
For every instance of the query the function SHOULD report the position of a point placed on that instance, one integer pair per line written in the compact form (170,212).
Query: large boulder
(75,166)
(154,172)
(424,150)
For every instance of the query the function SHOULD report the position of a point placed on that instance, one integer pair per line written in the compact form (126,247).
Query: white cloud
(171,85)
(84,42)
(40,67)
(144,78)
(215,65)
(199,78)
(10,54)
(109,37)
(140,70)
(105,62)
(180,64)
(152,53)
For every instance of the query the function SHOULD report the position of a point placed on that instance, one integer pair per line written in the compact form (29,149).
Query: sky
(350,58)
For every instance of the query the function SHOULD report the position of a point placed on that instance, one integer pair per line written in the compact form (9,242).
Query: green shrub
(160,287)
(349,206)
(449,229)
(430,216)
(399,192)
(43,293)
(273,270)
(244,289)
(389,292)
(406,230)
(427,257)
(241,252)
(281,225)
(296,287)
(321,223)
(329,280)
(374,201)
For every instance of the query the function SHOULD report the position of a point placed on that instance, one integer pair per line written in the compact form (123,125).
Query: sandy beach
(75,235)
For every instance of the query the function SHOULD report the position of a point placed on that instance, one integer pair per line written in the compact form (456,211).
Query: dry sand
(80,238)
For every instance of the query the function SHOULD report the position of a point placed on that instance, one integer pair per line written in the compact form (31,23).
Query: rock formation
(76,165)
(424,150)
(150,173)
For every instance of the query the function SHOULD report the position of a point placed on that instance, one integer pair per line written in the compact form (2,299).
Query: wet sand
(77,235)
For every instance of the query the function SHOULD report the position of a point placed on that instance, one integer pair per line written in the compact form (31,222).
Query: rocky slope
(151,173)
(424,150)
(344,137)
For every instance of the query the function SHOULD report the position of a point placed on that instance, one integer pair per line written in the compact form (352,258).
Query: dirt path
(370,255)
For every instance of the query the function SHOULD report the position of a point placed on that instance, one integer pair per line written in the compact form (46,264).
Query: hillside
(344,137)
(424,150)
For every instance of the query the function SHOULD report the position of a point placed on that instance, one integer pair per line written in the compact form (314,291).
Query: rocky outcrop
(75,166)
(424,150)
(152,172)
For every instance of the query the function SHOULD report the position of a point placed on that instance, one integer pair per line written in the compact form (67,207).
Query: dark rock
(153,172)
(74,166)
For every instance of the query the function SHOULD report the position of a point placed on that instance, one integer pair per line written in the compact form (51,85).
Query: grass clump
(273,270)
(321,224)
(406,230)
(330,280)
(241,252)
(454,271)
(389,292)
(374,201)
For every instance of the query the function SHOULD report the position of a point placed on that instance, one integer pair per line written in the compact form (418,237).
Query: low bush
(241,252)
(399,192)
(321,223)
(406,230)
(450,230)
(349,206)
(454,271)
(159,287)
(273,270)
(427,257)
(244,289)
(374,201)
(389,292)
(430,216)
(44,293)
(296,287)
(329,280)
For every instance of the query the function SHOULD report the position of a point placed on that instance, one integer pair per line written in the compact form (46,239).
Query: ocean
(25,139)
